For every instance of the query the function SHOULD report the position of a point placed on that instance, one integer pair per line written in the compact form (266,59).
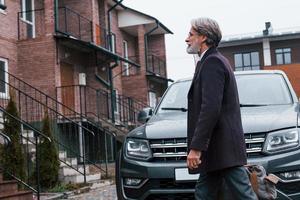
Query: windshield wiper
(170,108)
(252,105)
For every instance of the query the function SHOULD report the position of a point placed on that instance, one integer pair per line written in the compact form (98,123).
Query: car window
(263,89)
(176,97)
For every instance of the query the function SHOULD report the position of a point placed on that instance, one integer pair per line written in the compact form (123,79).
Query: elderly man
(215,136)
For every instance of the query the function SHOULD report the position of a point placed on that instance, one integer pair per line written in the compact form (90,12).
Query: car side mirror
(144,115)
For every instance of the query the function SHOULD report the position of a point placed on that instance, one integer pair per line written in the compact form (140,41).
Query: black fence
(97,103)
(156,65)
(73,133)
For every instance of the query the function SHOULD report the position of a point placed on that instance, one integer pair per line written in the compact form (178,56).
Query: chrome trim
(255,140)
(254,150)
(168,155)
(287,181)
(135,187)
(169,145)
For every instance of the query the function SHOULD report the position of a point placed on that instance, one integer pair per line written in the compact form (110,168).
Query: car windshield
(254,90)
(262,89)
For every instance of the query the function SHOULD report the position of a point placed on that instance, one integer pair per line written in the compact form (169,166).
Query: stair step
(68,171)
(21,195)
(8,186)
(28,134)
(69,161)
(62,155)
(80,179)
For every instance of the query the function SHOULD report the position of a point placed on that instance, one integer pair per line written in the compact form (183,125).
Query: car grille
(254,144)
(169,149)
(176,149)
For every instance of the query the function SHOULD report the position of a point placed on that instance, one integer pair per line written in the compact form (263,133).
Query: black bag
(262,184)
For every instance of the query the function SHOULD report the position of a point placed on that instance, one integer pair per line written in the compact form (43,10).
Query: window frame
(5,95)
(2,5)
(243,66)
(282,54)
(24,18)
(125,54)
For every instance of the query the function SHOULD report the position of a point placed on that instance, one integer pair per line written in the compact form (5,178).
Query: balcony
(72,24)
(156,66)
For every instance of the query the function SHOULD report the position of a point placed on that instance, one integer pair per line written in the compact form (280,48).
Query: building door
(67,93)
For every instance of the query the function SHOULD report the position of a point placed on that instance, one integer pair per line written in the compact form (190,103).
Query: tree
(49,163)
(13,156)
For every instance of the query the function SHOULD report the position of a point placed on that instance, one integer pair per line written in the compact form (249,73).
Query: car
(152,161)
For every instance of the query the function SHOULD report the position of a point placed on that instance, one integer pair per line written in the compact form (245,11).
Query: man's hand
(193,159)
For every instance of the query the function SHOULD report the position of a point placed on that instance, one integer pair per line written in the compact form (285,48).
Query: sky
(234,17)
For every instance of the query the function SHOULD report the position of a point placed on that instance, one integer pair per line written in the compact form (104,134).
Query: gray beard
(192,49)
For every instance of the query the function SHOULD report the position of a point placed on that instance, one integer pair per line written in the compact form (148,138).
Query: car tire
(118,177)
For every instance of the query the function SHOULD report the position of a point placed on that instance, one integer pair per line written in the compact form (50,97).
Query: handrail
(54,100)
(20,181)
(23,122)
(48,99)
(49,108)
(5,137)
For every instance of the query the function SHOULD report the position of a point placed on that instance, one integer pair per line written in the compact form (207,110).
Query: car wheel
(118,177)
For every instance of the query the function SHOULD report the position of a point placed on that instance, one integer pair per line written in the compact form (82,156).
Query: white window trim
(2,11)
(151,99)
(5,95)
(117,101)
(125,52)
(23,18)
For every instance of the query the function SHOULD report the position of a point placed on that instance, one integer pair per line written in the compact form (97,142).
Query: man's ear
(203,38)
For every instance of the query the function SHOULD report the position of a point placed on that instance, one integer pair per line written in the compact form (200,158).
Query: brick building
(269,49)
(92,65)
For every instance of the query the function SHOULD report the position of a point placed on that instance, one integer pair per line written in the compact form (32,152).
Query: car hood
(254,119)
(268,118)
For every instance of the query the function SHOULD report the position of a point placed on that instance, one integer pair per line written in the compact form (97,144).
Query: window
(2,5)
(152,99)
(283,56)
(116,101)
(3,78)
(125,54)
(28,16)
(246,61)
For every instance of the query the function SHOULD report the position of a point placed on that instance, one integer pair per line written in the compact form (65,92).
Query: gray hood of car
(268,118)
(254,119)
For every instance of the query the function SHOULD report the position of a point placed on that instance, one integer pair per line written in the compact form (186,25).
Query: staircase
(9,191)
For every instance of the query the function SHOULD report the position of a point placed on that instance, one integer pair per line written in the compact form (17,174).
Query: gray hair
(209,28)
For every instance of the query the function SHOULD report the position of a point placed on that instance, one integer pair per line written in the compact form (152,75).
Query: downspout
(110,74)
(146,42)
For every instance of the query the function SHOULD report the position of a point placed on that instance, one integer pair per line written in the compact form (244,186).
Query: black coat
(214,117)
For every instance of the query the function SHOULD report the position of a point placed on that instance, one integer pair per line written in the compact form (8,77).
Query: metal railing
(129,69)
(30,152)
(156,65)
(71,23)
(97,103)
(76,134)
(31,24)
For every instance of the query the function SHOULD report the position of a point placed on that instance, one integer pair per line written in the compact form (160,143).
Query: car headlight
(282,140)
(138,149)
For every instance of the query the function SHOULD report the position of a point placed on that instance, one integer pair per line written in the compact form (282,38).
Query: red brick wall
(229,52)
(293,73)
(8,34)
(36,63)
